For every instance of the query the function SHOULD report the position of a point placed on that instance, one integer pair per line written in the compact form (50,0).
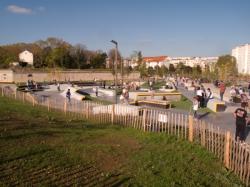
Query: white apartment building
(26,56)
(193,61)
(242,55)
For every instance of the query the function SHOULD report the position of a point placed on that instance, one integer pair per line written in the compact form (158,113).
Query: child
(195,106)
(68,95)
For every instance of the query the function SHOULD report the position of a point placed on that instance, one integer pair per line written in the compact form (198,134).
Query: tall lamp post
(116,56)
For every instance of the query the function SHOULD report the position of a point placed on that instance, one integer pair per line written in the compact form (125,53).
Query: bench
(216,105)
(155,103)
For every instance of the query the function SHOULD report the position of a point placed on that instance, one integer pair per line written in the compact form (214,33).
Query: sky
(155,27)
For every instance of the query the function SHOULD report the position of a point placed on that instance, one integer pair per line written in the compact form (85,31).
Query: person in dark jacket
(240,115)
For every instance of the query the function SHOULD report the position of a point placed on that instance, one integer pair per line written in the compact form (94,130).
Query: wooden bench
(155,103)
(216,105)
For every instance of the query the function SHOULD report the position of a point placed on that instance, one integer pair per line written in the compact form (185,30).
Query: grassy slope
(32,139)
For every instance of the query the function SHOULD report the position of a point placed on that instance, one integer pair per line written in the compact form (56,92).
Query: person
(96,91)
(68,95)
(240,115)
(151,85)
(244,99)
(233,94)
(195,106)
(104,84)
(222,88)
(199,94)
(58,87)
(209,95)
(249,89)
(203,97)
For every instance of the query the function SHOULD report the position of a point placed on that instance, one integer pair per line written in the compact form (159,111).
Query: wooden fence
(233,154)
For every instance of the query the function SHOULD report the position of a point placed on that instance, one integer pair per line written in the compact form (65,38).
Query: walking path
(223,120)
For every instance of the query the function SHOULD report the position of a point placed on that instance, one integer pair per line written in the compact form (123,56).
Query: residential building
(155,61)
(26,56)
(242,55)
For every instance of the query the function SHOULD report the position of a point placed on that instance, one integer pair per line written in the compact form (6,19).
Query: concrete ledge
(138,96)
(158,103)
(216,105)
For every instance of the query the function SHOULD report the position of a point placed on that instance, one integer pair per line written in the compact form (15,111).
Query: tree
(98,60)
(180,68)
(6,58)
(163,70)
(197,72)
(171,68)
(127,70)
(111,55)
(151,71)
(226,67)
(143,70)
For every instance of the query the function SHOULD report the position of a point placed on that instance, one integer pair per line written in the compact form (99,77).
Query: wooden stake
(65,107)
(144,119)
(48,105)
(113,114)
(227,149)
(190,124)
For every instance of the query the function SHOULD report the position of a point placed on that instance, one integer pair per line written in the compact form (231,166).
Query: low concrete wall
(70,75)
(136,96)
(6,76)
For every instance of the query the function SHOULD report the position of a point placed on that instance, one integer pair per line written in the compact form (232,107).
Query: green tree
(143,70)
(171,68)
(226,67)
(151,71)
(98,60)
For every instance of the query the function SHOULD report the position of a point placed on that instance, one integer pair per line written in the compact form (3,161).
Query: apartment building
(242,55)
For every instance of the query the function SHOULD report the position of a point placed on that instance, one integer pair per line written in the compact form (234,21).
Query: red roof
(154,59)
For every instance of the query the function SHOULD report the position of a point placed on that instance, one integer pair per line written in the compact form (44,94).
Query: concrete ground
(224,120)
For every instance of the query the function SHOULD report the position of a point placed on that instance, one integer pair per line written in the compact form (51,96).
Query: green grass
(186,104)
(48,149)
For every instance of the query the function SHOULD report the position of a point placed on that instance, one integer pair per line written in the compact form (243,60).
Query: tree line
(54,52)
(224,69)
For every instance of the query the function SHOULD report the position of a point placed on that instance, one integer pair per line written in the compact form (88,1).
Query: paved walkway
(223,120)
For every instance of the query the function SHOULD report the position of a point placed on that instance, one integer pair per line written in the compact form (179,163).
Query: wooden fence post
(191,128)
(113,114)
(15,93)
(2,92)
(203,134)
(227,149)
(23,97)
(65,107)
(48,104)
(88,110)
(144,119)
(33,101)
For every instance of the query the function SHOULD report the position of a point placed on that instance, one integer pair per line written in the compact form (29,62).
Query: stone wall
(71,75)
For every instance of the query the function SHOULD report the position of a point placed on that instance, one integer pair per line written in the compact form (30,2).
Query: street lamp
(116,51)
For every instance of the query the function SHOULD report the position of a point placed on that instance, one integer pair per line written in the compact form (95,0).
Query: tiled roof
(154,59)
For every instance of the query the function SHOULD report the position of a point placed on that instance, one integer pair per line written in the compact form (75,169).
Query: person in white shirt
(233,94)
(195,107)
(209,95)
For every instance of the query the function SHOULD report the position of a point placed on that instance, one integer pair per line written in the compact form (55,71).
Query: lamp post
(116,51)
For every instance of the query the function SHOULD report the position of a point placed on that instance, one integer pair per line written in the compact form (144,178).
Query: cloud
(19,10)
